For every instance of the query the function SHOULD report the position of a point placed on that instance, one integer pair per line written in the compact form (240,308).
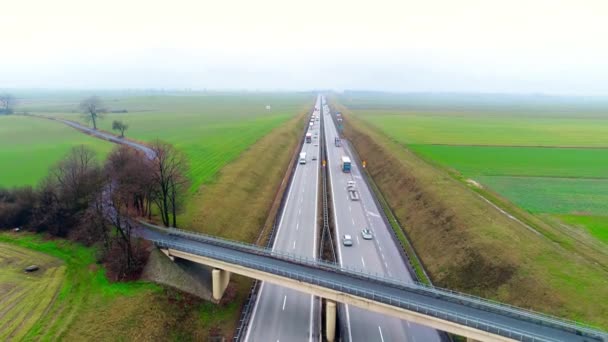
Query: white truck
(302,159)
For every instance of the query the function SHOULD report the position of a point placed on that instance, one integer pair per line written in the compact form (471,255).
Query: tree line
(97,203)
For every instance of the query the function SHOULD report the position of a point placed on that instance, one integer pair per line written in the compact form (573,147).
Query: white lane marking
(373,214)
(352,219)
(299,211)
(363,262)
(297,225)
(408,323)
(350,208)
(358,240)
(284,301)
(294,245)
(381,337)
(385,264)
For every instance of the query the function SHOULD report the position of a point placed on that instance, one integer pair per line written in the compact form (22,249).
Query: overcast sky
(526,46)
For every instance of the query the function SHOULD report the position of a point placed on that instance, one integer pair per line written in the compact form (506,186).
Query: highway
(282,314)
(377,256)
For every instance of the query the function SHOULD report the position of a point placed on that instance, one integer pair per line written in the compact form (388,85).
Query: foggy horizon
(495,47)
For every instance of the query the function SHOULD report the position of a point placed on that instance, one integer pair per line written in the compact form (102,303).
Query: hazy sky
(548,46)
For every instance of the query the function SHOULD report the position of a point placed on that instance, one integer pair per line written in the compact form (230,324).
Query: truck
(308,138)
(337,141)
(345,164)
(302,158)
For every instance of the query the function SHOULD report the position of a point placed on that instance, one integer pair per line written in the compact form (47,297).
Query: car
(366,234)
(314,157)
(347,240)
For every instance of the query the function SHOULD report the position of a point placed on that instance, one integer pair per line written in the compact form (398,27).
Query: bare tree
(132,171)
(120,126)
(92,109)
(68,191)
(170,183)
(7,102)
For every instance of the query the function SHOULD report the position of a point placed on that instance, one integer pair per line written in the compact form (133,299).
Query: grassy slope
(25,296)
(30,146)
(87,307)
(467,245)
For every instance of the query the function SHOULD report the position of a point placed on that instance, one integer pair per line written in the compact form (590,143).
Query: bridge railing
(482,303)
(404,303)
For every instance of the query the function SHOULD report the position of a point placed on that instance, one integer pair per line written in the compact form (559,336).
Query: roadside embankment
(238,204)
(466,244)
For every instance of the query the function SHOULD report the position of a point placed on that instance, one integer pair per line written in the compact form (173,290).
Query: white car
(366,234)
(347,240)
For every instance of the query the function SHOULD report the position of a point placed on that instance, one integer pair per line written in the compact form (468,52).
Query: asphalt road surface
(377,256)
(282,314)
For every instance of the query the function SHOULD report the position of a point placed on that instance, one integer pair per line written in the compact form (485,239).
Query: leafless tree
(132,171)
(92,109)
(120,126)
(68,191)
(7,102)
(170,181)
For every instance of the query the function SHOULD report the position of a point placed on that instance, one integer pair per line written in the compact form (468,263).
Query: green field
(553,195)
(29,146)
(487,128)
(596,225)
(475,161)
(546,155)
(212,129)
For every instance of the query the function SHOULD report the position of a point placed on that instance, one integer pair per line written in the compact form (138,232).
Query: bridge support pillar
(220,280)
(330,320)
(166,252)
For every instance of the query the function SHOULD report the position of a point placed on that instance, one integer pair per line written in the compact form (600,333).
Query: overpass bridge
(472,317)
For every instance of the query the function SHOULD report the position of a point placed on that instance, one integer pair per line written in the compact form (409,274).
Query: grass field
(211,128)
(595,224)
(26,296)
(546,155)
(30,146)
(70,299)
(475,161)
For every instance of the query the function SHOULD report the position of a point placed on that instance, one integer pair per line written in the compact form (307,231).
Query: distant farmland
(549,156)
(212,129)
(29,146)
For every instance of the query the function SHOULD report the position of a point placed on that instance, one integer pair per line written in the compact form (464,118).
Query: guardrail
(477,302)
(404,303)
